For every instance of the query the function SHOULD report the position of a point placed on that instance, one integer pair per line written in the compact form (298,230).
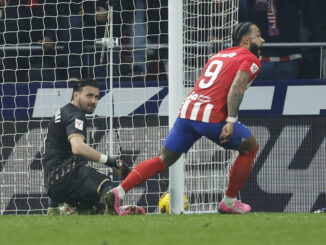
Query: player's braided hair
(241,29)
(85,82)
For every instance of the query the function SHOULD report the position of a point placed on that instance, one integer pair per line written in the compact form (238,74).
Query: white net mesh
(34,85)
(127,47)
(207,29)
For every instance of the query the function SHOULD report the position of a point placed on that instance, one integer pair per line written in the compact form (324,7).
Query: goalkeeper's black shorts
(77,185)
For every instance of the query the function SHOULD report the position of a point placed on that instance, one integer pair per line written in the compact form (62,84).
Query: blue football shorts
(186,132)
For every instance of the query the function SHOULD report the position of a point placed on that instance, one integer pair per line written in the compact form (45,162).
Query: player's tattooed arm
(236,92)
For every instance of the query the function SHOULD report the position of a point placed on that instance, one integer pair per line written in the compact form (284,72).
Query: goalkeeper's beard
(87,109)
(90,110)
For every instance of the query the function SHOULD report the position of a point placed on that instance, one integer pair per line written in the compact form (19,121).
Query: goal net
(46,46)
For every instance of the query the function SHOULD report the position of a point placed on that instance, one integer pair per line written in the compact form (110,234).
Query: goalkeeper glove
(113,162)
(124,170)
(120,165)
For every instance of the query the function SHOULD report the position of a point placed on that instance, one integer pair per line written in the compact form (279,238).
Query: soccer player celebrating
(67,178)
(211,110)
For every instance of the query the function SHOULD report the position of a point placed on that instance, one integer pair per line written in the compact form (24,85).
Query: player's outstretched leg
(138,175)
(114,205)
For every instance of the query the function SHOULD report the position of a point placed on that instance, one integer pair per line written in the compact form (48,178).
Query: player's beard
(254,49)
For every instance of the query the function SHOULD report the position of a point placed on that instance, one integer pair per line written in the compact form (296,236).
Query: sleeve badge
(79,124)
(254,68)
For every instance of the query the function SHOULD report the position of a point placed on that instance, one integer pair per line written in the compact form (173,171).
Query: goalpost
(140,95)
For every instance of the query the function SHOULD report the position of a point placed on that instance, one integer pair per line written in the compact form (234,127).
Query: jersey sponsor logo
(79,124)
(254,68)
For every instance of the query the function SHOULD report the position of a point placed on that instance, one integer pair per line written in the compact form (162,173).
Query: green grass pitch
(198,229)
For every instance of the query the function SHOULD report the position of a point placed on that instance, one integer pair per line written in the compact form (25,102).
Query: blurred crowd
(49,40)
(282,21)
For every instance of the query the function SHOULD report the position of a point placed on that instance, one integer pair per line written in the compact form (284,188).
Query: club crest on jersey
(79,124)
(254,68)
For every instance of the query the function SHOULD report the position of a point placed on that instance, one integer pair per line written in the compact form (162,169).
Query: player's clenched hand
(227,132)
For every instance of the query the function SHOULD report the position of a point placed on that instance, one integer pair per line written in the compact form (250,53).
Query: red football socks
(239,172)
(142,172)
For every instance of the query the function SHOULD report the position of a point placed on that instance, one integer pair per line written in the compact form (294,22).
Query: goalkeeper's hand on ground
(118,164)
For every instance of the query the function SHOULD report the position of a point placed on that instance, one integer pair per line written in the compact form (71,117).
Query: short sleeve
(76,124)
(251,66)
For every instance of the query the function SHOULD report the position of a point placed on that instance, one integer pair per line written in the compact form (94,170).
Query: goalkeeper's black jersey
(67,121)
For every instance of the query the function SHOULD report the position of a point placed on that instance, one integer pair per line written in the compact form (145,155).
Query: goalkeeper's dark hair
(240,30)
(80,84)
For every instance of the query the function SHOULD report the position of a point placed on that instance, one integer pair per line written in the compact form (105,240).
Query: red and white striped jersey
(207,102)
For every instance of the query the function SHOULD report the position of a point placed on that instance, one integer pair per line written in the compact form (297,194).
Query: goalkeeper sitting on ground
(67,178)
